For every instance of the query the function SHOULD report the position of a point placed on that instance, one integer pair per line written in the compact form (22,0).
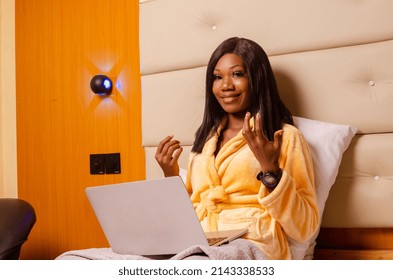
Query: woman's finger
(162,143)
(278,139)
(258,130)
(246,130)
(177,154)
(171,147)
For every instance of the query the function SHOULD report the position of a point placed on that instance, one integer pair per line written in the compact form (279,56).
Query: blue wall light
(101,84)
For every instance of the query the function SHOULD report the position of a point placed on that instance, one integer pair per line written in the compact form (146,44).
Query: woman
(249,166)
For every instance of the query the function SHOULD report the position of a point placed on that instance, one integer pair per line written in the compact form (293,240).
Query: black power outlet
(112,163)
(97,164)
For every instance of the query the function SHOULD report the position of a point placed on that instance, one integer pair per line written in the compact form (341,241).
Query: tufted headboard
(333,61)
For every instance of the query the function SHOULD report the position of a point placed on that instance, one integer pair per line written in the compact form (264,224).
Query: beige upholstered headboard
(333,61)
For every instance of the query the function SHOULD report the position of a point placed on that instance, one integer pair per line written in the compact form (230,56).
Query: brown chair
(17,218)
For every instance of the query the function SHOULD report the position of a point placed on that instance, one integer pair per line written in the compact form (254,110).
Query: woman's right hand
(167,156)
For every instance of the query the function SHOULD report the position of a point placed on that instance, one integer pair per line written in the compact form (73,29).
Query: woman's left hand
(266,152)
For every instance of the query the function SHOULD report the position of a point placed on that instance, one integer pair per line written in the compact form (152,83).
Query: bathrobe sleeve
(293,202)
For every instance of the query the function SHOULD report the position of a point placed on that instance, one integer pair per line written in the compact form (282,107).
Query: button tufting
(214,27)
(371,83)
(376,178)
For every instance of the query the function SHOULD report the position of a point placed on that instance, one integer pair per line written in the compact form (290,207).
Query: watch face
(269,179)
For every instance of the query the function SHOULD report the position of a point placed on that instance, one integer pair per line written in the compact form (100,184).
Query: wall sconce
(101,84)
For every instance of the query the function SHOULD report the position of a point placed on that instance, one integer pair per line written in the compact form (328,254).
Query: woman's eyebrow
(234,66)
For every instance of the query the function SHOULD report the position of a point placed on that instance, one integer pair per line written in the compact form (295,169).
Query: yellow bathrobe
(227,195)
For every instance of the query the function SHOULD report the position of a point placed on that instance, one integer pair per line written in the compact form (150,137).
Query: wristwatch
(270,179)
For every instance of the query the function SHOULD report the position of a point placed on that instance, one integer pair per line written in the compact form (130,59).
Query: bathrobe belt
(213,201)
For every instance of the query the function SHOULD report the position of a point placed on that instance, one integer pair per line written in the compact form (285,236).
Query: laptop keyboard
(214,240)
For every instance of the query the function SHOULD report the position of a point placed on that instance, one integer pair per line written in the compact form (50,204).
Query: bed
(333,64)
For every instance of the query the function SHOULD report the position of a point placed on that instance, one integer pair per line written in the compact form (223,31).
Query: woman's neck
(231,127)
(235,122)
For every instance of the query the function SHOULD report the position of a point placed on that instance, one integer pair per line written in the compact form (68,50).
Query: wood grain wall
(60,45)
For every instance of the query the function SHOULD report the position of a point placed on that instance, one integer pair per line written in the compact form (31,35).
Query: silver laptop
(151,217)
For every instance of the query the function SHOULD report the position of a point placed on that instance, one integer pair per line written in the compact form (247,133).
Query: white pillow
(327,143)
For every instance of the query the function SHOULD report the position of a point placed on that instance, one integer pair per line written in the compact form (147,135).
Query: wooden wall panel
(60,45)
(355,238)
(354,244)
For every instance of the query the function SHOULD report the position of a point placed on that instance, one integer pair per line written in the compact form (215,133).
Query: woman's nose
(227,83)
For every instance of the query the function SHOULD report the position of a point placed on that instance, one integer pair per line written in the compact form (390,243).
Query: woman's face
(230,85)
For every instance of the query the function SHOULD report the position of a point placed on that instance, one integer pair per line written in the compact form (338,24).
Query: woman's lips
(229,98)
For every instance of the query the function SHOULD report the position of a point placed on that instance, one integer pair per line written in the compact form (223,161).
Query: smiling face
(230,85)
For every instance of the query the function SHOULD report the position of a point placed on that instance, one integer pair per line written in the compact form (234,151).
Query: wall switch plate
(112,163)
(97,164)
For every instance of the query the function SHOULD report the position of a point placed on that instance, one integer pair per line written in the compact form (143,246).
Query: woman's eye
(238,74)
(216,77)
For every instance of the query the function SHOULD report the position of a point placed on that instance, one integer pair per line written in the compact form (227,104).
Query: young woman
(249,166)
